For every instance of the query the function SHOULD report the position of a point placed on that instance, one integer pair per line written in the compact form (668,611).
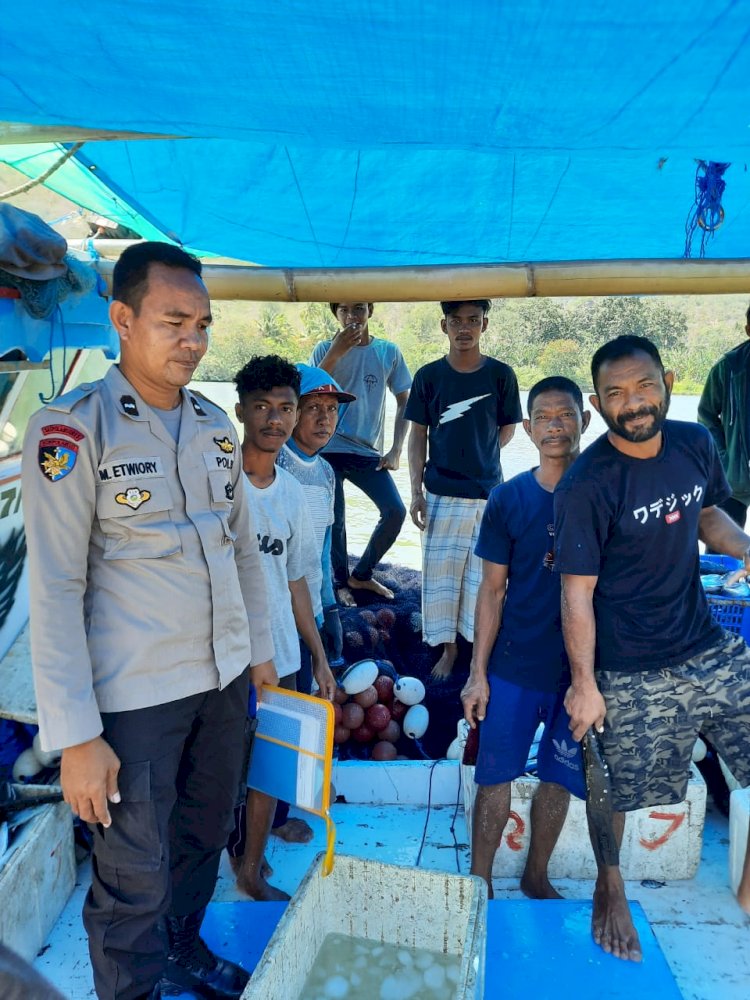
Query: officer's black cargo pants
(180,773)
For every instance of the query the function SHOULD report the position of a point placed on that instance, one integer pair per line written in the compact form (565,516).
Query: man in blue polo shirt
(519,673)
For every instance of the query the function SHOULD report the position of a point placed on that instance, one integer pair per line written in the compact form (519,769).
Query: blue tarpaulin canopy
(373,132)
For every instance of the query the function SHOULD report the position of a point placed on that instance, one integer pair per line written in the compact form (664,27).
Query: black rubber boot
(190,962)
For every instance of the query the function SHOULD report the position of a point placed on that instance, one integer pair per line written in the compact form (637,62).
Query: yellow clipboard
(292,755)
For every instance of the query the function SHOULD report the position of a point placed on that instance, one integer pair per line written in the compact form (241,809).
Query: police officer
(147,605)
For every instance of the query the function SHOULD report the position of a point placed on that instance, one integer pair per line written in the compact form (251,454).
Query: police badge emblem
(225,444)
(57,458)
(133,497)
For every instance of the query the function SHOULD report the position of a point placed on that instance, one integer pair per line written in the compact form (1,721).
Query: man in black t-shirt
(649,667)
(464,407)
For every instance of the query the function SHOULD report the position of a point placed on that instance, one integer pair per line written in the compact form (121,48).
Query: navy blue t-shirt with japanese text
(633,523)
(517,531)
(463,411)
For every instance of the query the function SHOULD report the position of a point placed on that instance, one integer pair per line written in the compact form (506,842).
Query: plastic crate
(727,563)
(732,613)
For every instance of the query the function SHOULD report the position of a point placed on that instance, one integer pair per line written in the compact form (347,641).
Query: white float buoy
(699,750)
(26,765)
(416,721)
(409,690)
(47,758)
(359,676)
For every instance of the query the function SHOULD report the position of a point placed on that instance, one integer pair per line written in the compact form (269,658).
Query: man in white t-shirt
(366,366)
(268,390)
(321,403)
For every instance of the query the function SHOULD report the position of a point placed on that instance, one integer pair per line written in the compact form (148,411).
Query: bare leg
(743,889)
(491,811)
(444,665)
(548,811)
(611,923)
(372,585)
(236,864)
(250,879)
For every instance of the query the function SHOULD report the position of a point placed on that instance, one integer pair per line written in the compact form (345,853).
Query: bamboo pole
(429,284)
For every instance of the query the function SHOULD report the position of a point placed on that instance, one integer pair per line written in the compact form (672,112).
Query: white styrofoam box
(730,779)
(402,782)
(661,843)
(739,827)
(384,903)
(37,876)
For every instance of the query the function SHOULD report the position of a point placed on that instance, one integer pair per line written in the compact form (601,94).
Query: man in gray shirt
(365,366)
(147,607)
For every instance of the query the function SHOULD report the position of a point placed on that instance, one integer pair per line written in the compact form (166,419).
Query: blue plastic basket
(726,562)
(731,613)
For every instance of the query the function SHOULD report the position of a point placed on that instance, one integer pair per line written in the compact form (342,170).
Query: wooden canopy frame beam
(432,283)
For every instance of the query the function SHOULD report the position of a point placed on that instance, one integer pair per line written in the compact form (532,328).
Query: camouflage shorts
(654,717)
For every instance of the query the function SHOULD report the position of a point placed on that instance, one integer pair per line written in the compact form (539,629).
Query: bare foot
(259,889)
(345,597)
(612,925)
(444,665)
(538,887)
(235,864)
(372,585)
(294,831)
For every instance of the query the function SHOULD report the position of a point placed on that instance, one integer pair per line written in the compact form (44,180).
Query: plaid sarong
(451,573)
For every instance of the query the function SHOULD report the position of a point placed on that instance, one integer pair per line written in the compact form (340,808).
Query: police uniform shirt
(145,577)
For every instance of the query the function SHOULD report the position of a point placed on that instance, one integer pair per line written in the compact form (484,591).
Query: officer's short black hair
(267,372)
(450,307)
(130,278)
(555,383)
(747,315)
(624,346)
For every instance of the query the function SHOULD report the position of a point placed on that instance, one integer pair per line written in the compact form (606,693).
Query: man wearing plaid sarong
(463,408)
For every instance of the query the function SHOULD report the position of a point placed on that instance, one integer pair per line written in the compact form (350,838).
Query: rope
(57,314)
(456,845)
(42,177)
(707,213)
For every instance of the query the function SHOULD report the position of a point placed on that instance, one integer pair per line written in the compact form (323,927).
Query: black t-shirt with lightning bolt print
(463,412)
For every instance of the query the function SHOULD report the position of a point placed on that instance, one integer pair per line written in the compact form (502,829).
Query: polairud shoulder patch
(65,429)
(57,458)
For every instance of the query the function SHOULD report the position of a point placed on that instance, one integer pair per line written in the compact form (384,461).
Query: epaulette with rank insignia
(202,403)
(69,400)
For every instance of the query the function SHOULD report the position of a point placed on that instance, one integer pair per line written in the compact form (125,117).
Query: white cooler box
(385,903)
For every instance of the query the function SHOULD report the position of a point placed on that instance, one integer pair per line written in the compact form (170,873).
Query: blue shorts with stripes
(507,733)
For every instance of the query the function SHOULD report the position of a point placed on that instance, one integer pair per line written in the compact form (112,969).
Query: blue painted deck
(698,925)
(534,949)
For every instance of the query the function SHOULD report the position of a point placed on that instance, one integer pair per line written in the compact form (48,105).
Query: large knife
(599,801)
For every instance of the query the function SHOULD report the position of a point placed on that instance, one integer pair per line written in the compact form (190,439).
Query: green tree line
(538,337)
